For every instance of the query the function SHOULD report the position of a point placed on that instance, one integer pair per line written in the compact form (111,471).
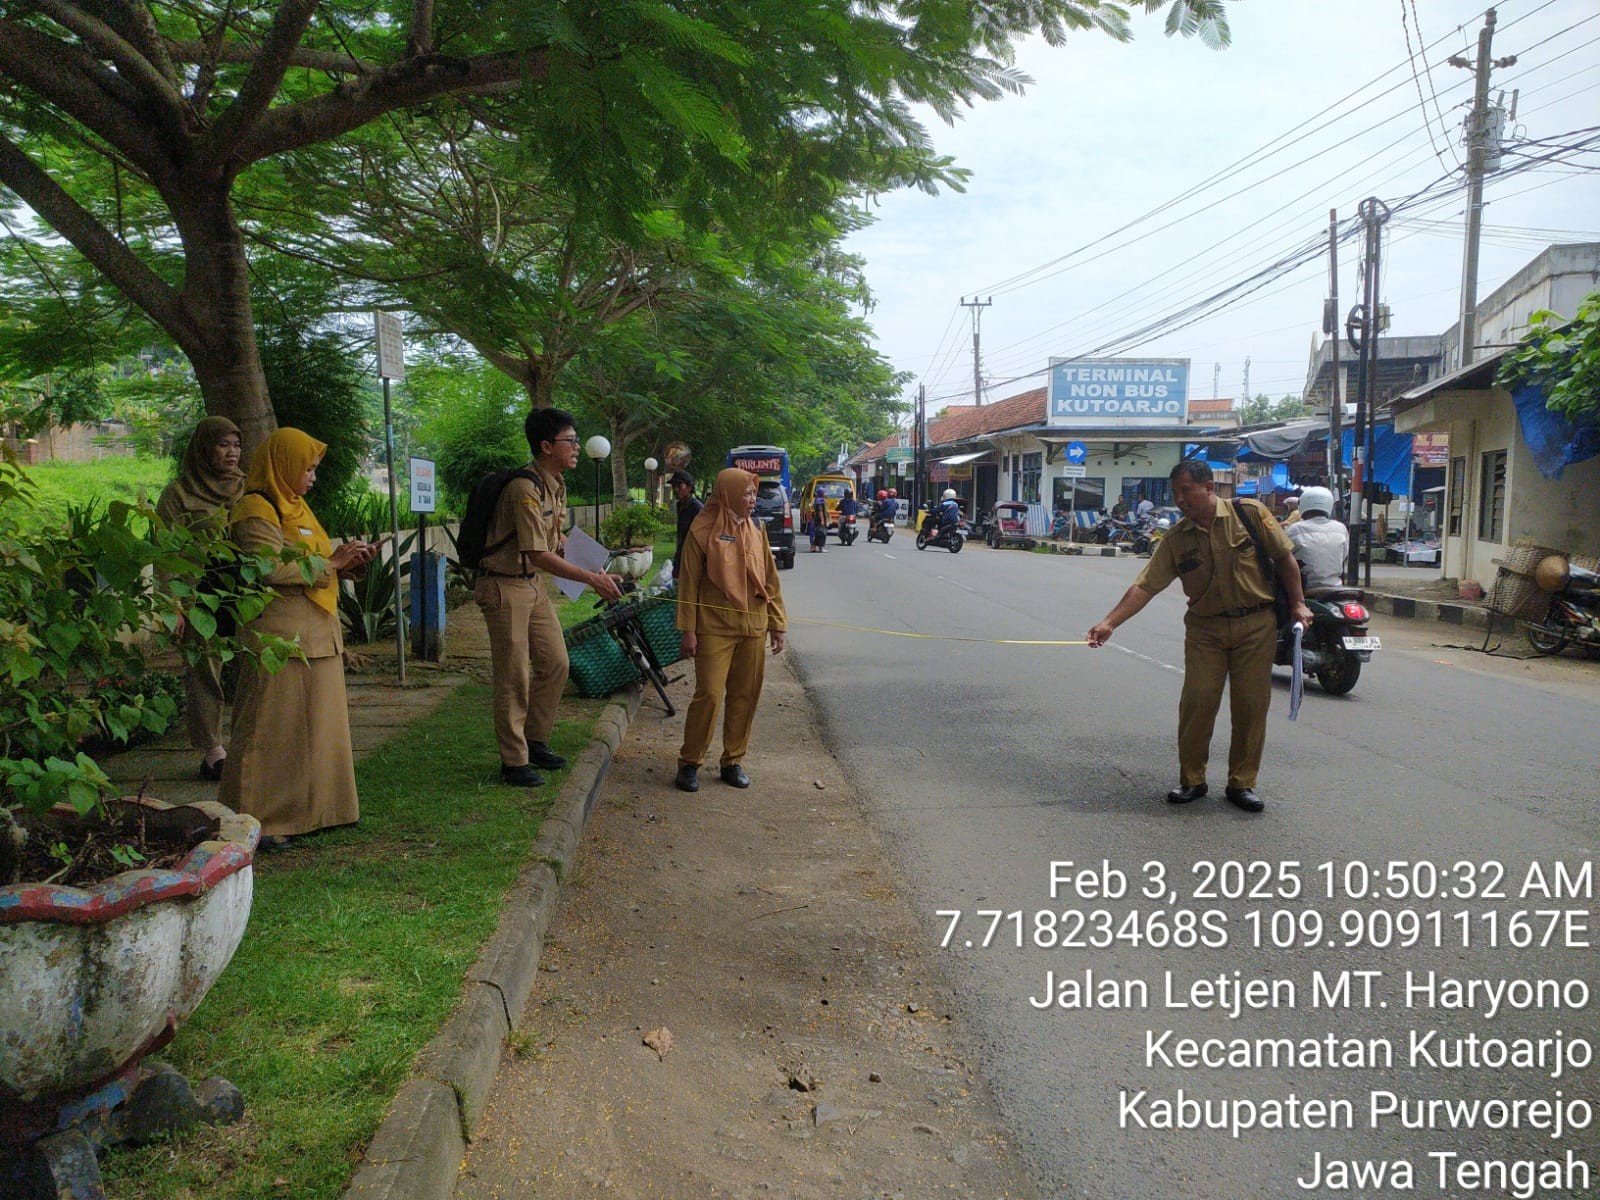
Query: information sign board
(423,496)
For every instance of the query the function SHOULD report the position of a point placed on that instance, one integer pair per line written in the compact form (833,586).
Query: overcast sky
(1313,107)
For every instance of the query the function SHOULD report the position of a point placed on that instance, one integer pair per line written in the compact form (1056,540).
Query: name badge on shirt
(305,533)
(726,537)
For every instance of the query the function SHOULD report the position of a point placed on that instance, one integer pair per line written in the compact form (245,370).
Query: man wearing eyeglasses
(528,654)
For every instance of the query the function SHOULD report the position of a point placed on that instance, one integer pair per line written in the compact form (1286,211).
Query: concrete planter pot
(93,979)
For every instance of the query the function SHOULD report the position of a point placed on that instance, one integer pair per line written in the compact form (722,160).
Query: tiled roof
(965,422)
(875,451)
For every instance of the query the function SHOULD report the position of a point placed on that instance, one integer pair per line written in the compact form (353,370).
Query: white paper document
(581,551)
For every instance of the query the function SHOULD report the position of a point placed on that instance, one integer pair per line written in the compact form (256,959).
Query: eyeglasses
(571,441)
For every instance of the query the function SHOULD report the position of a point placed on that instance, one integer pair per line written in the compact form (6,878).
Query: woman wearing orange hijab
(291,765)
(728,601)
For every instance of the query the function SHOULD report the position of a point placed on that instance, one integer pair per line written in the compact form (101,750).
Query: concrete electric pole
(977,306)
(1478,136)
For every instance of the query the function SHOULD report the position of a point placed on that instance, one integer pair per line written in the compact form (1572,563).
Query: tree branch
(205,53)
(406,83)
(420,38)
(107,255)
(70,78)
(130,63)
(266,75)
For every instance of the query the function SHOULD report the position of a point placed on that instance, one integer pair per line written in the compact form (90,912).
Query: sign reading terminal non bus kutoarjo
(1112,392)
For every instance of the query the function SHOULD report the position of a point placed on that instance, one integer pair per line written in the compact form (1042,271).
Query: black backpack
(474,532)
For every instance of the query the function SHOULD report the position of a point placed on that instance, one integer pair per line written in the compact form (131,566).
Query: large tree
(181,98)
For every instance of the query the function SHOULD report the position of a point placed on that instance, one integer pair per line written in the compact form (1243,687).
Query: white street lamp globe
(650,464)
(597,447)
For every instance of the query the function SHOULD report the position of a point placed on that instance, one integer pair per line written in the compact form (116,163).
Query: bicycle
(622,622)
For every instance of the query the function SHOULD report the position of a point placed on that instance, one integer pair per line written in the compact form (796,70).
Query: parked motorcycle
(951,538)
(1574,614)
(1147,536)
(1338,642)
(848,532)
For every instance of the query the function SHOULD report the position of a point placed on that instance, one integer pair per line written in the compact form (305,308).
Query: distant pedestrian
(728,602)
(819,524)
(208,484)
(682,485)
(1230,630)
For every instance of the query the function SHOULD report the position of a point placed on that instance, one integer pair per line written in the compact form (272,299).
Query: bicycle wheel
(633,640)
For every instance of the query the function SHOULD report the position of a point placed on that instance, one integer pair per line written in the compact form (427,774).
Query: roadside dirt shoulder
(809,1048)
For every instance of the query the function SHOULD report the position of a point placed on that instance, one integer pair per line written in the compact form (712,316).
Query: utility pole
(1477,139)
(916,456)
(1363,326)
(977,306)
(1216,379)
(1330,325)
(1246,391)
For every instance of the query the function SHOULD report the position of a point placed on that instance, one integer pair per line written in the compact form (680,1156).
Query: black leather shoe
(688,779)
(733,775)
(1246,799)
(540,755)
(523,776)
(212,772)
(1186,792)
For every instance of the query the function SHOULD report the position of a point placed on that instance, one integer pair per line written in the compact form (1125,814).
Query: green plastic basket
(598,664)
(659,615)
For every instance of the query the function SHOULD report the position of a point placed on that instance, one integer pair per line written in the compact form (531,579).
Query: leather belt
(1243,612)
(509,575)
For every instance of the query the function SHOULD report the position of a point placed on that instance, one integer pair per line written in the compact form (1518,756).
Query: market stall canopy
(955,460)
(1270,445)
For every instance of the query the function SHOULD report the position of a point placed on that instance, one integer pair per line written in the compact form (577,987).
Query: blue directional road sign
(1077,452)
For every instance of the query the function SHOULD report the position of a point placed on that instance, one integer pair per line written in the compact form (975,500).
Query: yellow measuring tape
(935,637)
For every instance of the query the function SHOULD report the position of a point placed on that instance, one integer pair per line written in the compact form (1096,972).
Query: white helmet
(949,494)
(1316,500)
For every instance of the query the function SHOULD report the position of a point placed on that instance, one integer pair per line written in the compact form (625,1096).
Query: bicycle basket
(659,615)
(599,666)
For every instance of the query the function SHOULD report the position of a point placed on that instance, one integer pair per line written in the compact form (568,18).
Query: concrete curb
(1469,615)
(416,1153)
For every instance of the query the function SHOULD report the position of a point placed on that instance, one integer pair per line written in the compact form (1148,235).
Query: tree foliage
(1263,409)
(1562,358)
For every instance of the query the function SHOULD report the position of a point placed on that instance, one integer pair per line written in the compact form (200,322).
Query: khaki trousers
(202,691)
(528,658)
(1237,651)
(724,666)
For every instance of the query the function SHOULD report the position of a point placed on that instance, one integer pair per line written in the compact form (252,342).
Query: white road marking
(1165,666)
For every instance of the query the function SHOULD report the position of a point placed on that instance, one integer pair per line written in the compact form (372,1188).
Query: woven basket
(598,664)
(659,617)
(1518,596)
(1522,558)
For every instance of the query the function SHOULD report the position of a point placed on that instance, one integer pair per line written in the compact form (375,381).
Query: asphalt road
(1430,793)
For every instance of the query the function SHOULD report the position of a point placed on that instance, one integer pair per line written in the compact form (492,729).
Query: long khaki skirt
(290,763)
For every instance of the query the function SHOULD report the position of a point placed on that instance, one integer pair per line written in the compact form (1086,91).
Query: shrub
(633,525)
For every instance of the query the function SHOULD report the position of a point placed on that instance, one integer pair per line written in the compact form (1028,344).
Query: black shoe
(733,775)
(271,843)
(523,776)
(1186,792)
(688,779)
(540,755)
(1245,798)
(212,772)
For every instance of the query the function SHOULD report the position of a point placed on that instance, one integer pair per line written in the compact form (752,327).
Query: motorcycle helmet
(1316,500)
(949,494)
(882,495)
(893,495)
(1164,523)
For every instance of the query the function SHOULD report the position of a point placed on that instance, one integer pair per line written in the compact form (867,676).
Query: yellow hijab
(272,493)
(735,547)
(202,494)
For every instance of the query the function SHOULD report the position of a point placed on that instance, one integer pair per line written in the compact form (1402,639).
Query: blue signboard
(1077,452)
(1119,392)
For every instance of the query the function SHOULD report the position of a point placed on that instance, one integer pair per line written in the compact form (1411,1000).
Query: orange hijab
(272,493)
(735,548)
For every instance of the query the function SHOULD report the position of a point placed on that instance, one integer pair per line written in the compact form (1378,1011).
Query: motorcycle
(1147,536)
(1337,643)
(880,529)
(848,532)
(1574,614)
(950,537)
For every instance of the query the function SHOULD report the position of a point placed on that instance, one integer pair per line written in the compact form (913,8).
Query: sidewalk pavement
(813,1050)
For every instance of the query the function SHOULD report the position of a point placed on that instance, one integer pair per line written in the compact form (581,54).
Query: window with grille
(1080,494)
(1457,494)
(1492,497)
(1032,468)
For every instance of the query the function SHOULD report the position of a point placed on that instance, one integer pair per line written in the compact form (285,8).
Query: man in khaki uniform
(528,654)
(1230,630)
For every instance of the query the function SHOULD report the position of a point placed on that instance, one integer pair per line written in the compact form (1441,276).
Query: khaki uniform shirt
(1217,567)
(292,613)
(531,516)
(705,610)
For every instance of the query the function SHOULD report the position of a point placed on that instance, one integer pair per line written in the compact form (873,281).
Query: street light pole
(597,448)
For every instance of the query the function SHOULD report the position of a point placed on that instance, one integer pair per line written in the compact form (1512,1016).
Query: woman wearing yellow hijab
(728,600)
(291,765)
(209,481)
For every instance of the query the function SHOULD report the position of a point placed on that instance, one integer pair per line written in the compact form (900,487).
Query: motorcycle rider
(883,510)
(1321,544)
(949,510)
(891,507)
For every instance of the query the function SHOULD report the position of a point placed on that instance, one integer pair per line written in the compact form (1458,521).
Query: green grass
(115,478)
(358,944)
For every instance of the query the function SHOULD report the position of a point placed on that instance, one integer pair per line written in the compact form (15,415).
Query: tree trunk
(221,339)
(619,462)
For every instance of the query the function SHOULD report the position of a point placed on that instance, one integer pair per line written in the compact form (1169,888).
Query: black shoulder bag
(1269,568)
